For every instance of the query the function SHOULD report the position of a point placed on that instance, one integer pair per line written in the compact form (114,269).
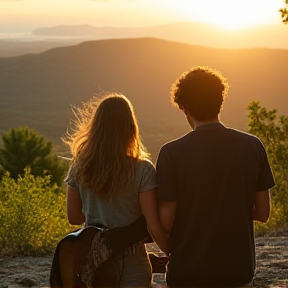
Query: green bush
(273,131)
(32,216)
(25,147)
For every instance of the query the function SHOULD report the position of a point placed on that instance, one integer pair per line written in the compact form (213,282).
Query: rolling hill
(195,33)
(37,90)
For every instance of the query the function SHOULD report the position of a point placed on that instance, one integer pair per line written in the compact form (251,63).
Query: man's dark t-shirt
(213,173)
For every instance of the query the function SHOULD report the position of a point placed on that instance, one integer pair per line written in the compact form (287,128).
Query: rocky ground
(272,267)
(272,262)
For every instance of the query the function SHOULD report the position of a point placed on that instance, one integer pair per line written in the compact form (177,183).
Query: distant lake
(30,37)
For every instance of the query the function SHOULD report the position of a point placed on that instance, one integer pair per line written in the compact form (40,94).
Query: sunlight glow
(230,14)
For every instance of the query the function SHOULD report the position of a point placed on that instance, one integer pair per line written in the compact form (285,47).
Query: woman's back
(123,207)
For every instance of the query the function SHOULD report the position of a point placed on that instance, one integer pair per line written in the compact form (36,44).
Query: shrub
(273,131)
(33,217)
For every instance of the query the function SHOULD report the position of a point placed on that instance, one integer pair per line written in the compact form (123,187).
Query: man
(212,183)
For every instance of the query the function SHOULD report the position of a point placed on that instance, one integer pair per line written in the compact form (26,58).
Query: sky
(18,16)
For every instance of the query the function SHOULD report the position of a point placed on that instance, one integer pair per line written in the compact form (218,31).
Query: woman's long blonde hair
(105,144)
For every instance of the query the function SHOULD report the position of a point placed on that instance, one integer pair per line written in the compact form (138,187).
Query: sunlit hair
(202,91)
(105,144)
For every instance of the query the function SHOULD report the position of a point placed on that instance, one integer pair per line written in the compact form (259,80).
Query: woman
(111,183)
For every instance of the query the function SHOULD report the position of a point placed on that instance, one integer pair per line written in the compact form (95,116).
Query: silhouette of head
(201,91)
(114,124)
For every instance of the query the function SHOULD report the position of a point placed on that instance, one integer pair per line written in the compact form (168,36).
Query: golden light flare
(230,14)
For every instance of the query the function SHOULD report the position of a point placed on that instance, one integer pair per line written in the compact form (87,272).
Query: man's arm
(167,214)
(261,209)
(74,207)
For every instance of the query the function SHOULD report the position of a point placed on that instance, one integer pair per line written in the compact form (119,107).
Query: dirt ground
(271,255)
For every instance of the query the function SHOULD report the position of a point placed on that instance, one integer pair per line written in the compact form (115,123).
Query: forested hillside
(37,90)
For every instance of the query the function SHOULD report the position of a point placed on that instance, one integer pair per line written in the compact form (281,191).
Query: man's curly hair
(201,90)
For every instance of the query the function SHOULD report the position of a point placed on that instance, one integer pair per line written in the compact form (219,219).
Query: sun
(229,14)
(229,20)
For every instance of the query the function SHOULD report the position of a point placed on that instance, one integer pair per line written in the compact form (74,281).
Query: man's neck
(198,123)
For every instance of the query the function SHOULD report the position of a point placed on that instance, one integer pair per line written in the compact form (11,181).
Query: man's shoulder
(178,141)
(245,140)
(243,135)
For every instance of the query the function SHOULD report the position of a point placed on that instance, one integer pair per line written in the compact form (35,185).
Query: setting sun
(24,15)
(230,14)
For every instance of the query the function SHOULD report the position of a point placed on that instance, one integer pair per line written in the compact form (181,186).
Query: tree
(273,132)
(284,12)
(24,147)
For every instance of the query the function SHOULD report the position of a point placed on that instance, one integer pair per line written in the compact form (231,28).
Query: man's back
(213,173)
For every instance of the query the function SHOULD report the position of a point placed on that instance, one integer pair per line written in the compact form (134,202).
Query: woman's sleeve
(69,178)
(148,180)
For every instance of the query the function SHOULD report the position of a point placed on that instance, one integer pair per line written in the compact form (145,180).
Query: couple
(200,203)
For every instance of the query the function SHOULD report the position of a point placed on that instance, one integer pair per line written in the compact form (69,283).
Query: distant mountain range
(273,36)
(37,89)
(196,33)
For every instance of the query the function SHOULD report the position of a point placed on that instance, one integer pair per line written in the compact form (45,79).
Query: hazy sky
(25,15)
